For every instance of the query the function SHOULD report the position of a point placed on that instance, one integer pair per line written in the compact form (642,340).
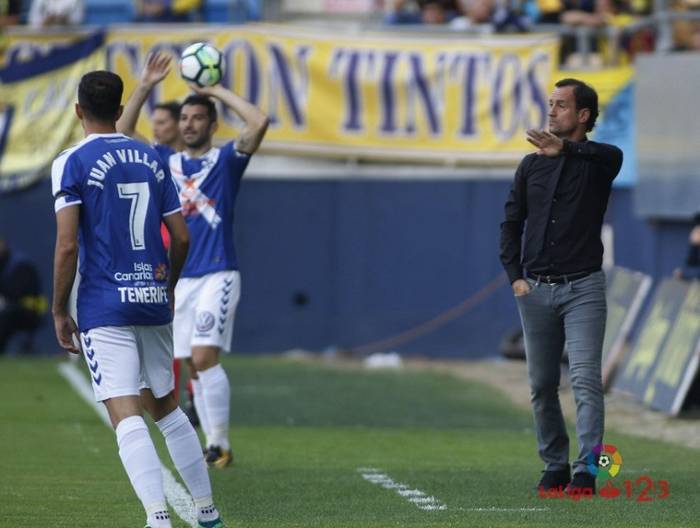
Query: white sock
(158,519)
(201,409)
(206,511)
(186,453)
(142,465)
(217,396)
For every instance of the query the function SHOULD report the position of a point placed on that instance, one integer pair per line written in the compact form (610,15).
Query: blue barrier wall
(346,262)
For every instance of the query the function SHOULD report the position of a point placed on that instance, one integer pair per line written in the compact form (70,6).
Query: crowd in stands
(613,25)
(67,13)
(533,15)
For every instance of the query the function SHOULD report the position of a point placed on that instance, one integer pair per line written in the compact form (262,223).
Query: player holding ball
(207,180)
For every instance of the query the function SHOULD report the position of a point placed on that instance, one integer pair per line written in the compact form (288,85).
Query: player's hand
(547,143)
(156,69)
(694,238)
(520,287)
(66,331)
(209,91)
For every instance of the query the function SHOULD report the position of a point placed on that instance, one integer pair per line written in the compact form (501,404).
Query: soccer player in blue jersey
(111,193)
(208,179)
(206,297)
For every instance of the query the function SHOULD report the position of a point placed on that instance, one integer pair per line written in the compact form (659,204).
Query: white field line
(415,496)
(175,493)
(494,509)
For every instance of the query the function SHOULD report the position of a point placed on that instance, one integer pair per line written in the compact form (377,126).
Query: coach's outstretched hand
(547,143)
(66,331)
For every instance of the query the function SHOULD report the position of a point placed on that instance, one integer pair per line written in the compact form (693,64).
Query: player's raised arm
(65,263)
(155,70)
(255,120)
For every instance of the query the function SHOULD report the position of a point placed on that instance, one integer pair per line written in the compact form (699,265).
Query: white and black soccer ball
(201,64)
(604,461)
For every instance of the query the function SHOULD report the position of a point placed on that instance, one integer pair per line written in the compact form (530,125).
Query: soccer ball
(604,461)
(200,63)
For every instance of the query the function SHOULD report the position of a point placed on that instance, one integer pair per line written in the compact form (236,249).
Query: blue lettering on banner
(386,95)
(345,64)
(469,63)
(282,84)
(251,74)
(511,80)
(419,90)
(514,85)
(5,125)
(535,88)
(502,92)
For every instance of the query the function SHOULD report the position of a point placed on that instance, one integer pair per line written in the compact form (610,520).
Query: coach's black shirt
(562,200)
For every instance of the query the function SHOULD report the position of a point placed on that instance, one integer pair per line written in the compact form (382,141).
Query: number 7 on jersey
(139,194)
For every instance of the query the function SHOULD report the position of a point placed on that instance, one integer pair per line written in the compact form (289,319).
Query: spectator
(45,13)
(686,36)
(9,12)
(686,33)
(21,302)
(641,40)
(168,10)
(482,11)
(424,11)
(589,13)
(691,268)
(517,15)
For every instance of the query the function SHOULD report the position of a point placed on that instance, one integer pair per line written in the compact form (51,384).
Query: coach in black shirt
(559,196)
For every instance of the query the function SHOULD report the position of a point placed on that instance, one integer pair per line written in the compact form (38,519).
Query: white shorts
(122,360)
(204,310)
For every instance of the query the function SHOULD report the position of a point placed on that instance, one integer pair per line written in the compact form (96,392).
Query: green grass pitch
(300,432)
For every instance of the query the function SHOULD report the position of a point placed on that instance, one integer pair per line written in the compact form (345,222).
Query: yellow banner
(37,119)
(372,96)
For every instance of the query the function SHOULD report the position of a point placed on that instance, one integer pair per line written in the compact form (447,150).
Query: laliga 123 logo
(606,461)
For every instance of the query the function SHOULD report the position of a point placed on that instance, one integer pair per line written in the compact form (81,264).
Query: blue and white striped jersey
(208,187)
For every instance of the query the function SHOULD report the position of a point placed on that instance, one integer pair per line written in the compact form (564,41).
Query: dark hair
(585,97)
(100,95)
(203,100)
(172,107)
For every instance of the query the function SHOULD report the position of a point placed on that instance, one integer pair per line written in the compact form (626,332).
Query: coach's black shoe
(583,483)
(554,480)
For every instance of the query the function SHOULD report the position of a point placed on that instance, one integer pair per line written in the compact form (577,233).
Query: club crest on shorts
(205,321)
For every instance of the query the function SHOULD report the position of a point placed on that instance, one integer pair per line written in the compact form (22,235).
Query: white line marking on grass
(175,493)
(494,509)
(415,496)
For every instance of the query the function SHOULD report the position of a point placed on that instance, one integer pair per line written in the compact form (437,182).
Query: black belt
(559,279)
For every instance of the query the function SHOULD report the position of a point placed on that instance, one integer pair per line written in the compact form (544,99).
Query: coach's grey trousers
(552,315)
